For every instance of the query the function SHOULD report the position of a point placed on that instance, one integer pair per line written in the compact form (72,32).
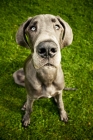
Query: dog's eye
(57,27)
(33,28)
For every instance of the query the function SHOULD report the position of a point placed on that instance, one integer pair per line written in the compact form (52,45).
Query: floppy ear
(20,35)
(67,36)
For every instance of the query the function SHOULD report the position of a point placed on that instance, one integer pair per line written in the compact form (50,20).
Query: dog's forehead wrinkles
(50,18)
(45,17)
(38,21)
(34,20)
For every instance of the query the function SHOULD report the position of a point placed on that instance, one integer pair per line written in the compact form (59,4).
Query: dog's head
(45,35)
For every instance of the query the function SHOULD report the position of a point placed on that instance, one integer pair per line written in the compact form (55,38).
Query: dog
(45,35)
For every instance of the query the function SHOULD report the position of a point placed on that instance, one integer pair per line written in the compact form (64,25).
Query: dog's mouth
(42,65)
(49,65)
(39,62)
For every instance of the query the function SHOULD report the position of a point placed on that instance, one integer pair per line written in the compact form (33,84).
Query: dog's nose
(47,49)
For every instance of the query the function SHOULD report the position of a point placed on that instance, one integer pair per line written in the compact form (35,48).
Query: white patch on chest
(49,91)
(49,96)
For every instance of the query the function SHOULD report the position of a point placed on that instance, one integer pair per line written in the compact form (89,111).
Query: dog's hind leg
(19,77)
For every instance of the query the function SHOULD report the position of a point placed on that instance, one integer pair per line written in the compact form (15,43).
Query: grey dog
(42,75)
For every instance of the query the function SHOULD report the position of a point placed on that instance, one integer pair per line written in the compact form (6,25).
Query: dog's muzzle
(47,49)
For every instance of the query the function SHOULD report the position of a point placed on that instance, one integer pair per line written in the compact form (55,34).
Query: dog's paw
(25,121)
(64,116)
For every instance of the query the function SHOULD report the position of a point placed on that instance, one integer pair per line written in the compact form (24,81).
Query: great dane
(45,35)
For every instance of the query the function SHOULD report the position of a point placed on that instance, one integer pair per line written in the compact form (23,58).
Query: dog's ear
(21,36)
(67,35)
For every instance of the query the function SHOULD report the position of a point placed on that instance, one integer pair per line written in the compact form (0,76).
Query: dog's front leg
(63,114)
(28,110)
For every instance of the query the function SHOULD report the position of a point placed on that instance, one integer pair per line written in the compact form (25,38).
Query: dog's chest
(48,91)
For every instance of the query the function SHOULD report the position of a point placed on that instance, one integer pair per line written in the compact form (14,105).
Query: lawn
(77,63)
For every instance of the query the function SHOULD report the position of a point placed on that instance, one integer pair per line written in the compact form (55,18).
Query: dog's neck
(46,74)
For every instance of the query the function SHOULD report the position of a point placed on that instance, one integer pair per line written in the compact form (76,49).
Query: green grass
(77,63)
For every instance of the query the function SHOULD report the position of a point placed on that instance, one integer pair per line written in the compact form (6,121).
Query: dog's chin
(41,65)
(49,65)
